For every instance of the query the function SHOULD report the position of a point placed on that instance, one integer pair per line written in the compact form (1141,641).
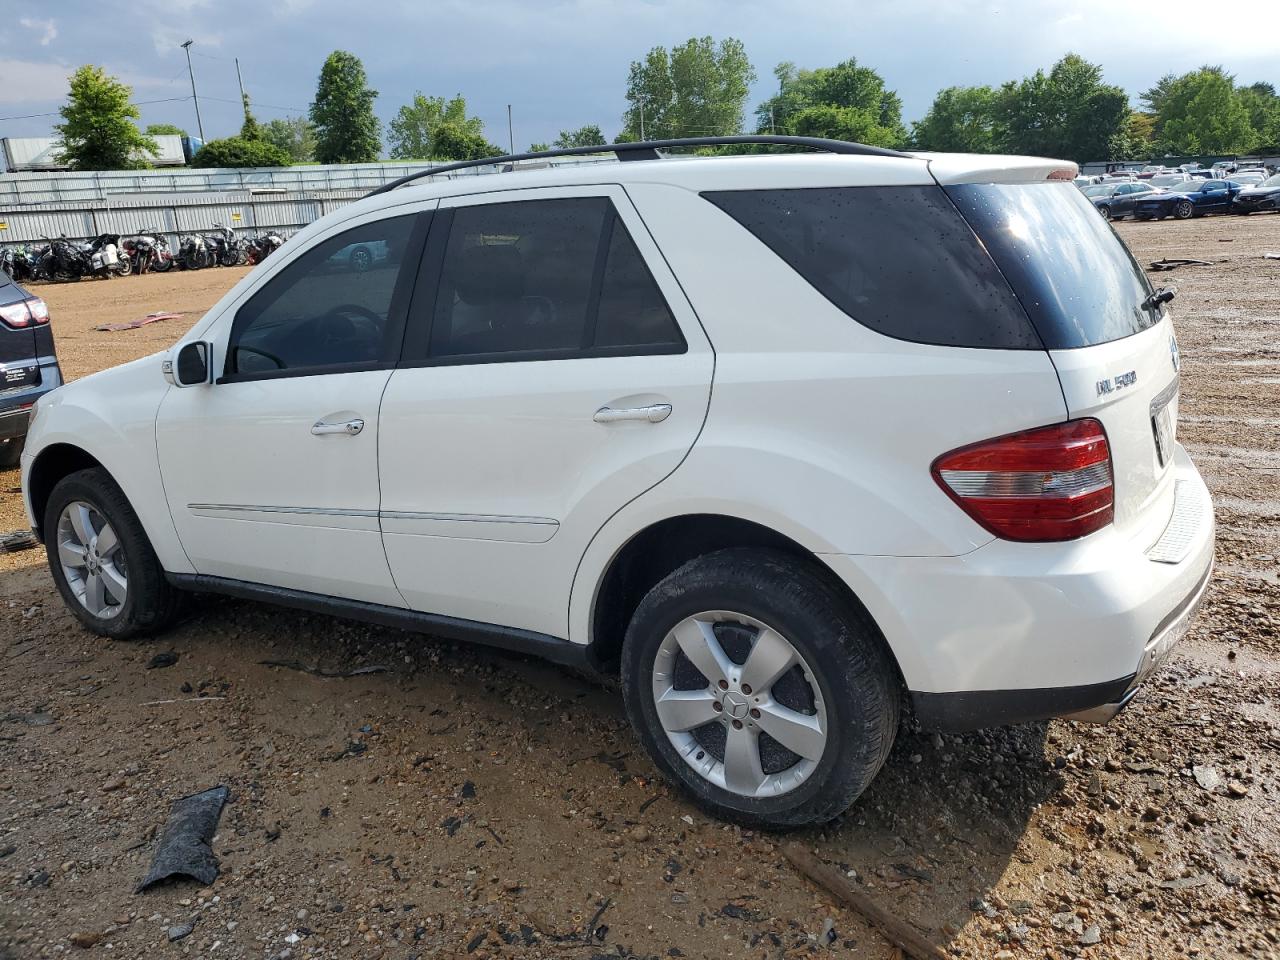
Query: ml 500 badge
(1118,382)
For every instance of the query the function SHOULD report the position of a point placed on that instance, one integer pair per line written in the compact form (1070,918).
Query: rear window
(899,260)
(1076,279)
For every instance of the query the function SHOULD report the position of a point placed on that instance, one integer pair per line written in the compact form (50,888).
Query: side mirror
(191,366)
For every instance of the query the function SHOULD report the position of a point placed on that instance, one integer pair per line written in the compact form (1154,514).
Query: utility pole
(240,81)
(195,99)
(511,137)
(642,118)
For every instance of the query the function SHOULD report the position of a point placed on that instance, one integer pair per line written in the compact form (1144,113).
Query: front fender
(111,416)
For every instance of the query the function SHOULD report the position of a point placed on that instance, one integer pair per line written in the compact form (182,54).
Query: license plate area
(1163,426)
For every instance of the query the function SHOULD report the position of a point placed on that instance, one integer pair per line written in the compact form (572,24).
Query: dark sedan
(1116,200)
(1265,196)
(28,366)
(1192,199)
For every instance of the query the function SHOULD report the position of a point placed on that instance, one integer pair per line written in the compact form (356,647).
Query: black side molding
(975,709)
(545,646)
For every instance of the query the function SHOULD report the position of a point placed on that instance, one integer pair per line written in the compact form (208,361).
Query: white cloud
(48,29)
(26,81)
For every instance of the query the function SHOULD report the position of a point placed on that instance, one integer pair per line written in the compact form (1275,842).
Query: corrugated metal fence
(171,214)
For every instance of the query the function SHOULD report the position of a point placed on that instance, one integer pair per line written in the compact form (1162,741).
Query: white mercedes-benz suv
(799,444)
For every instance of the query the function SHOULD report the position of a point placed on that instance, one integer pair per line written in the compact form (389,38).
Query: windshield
(1074,277)
(1098,190)
(1271,181)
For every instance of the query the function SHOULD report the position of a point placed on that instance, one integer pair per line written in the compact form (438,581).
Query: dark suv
(28,365)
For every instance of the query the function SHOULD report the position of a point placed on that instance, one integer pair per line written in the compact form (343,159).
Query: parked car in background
(1247,178)
(1191,199)
(28,365)
(1117,200)
(1168,181)
(1262,196)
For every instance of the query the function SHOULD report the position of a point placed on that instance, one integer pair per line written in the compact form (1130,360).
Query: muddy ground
(461,802)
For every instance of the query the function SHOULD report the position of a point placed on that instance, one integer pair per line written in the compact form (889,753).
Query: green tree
(1135,140)
(250,129)
(1202,113)
(412,131)
(699,89)
(98,130)
(296,136)
(239,152)
(1263,107)
(346,128)
(451,141)
(847,102)
(165,130)
(588,136)
(961,120)
(1068,112)
(539,147)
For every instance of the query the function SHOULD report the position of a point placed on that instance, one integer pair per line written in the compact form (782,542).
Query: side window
(331,309)
(546,279)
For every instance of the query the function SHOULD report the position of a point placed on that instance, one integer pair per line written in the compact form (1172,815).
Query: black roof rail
(648,150)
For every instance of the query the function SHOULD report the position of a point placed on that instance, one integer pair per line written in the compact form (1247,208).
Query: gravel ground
(461,802)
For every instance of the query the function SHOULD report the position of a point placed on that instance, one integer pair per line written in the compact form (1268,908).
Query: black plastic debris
(184,849)
(162,660)
(1173,263)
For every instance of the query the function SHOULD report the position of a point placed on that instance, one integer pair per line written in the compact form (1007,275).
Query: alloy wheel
(92,560)
(739,703)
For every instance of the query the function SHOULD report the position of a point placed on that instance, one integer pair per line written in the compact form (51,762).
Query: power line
(54,113)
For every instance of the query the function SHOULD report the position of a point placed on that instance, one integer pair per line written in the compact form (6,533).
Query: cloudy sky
(563,63)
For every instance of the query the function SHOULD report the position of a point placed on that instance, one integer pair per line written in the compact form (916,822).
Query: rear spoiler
(949,168)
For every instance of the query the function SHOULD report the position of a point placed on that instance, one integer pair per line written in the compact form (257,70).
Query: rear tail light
(1049,484)
(25,313)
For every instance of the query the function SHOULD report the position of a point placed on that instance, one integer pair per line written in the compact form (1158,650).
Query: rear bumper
(1018,632)
(15,405)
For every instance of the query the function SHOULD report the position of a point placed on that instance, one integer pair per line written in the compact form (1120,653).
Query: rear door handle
(349,427)
(653,413)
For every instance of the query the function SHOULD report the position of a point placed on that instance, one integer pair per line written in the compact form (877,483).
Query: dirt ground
(461,802)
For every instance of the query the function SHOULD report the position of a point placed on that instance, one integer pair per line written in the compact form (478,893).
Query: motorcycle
(228,248)
(20,262)
(195,252)
(63,261)
(105,261)
(263,245)
(147,251)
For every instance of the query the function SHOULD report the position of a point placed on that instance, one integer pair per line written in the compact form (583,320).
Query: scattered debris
(135,324)
(589,931)
(157,703)
(319,672)
(1175,262)
(162,660)
(1207,777)
(16,540)
(178,931)
(898,932)
(184,843)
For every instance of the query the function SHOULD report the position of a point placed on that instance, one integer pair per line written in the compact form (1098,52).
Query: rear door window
(1076,279)
(899,260)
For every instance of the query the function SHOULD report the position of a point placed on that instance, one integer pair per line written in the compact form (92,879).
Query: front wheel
(1184,210)
(1105,211)
(760,689)
(101,559)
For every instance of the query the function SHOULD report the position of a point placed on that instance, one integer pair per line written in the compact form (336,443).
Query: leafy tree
(412,131)
(847,102)
(1202,113)
(1155,97)
(97,129)
(346,128)
(239,152)
(250,129)
(539,147)
(450,141)
(960,120)
(165,130)
(1068,112)
(588,136)
(296,136)
(1135,140)
(698,89)
(1263,107)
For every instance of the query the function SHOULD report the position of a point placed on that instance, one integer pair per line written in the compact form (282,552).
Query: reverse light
(1044,485)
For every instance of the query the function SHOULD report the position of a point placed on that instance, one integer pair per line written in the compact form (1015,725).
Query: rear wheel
(101,559)
(1184,209)
(759,689)
(1105,211)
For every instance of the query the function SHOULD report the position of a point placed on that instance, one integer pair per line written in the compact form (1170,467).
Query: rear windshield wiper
(1159,296)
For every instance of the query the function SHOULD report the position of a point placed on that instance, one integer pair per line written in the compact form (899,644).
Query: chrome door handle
(349,427)
(653,413)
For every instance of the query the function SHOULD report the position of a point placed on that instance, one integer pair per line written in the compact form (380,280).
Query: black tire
(150,604)
(360,260)
(1105,211)
(1184,210)
(854,675)
(11,452)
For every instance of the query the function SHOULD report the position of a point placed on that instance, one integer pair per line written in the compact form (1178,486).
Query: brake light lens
(25,313)
(1038,486)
